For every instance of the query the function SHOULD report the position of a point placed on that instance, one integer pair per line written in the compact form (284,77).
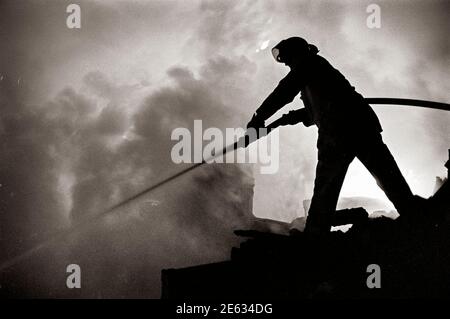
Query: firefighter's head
(293,51)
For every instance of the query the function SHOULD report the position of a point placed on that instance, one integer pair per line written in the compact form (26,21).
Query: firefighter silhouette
(347,127)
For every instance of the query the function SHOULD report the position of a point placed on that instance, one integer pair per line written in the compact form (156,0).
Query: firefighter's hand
(256,122)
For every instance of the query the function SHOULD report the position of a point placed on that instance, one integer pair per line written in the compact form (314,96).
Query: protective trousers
(334,157)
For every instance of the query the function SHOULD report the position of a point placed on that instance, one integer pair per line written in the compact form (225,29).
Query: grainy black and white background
(86,116)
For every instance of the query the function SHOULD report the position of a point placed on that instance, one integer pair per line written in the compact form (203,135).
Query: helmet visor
(276,54)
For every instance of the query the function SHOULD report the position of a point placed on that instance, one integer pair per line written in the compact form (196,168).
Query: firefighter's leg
(330,173)
(377,158)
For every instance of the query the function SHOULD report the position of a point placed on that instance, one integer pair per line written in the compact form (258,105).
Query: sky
(86,117)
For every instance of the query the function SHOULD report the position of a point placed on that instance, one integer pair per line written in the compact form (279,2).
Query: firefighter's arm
(283,94)
(294,117)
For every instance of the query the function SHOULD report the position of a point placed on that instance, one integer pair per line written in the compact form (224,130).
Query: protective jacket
(330,101)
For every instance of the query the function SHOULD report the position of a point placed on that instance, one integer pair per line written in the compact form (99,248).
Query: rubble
(413,255)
